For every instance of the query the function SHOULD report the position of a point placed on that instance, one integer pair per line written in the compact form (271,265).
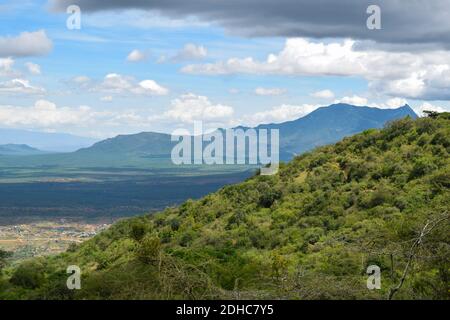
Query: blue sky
(69,90)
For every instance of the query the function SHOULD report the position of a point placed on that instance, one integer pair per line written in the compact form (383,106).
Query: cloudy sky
(160,65)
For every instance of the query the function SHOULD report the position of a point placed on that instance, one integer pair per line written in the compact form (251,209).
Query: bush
(3,256)
(149,249)
(138,230)
(29,275)
(268,196)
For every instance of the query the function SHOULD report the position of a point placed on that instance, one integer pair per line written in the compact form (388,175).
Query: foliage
(309,232)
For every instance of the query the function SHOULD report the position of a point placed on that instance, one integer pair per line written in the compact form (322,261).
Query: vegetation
(310,232)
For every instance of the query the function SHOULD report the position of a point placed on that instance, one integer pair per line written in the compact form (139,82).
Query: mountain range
(323,126)
(48,141)
(19,150)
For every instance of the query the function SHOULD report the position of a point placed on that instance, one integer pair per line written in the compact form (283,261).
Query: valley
(131,175)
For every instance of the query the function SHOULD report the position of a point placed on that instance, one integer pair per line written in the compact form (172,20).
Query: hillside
(310,232)
(18,150)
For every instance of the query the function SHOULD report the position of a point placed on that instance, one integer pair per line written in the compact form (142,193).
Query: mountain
(148,149)
(377,199)
(18,150)
(56,142)
(322,126)
(330,124)
(140,144)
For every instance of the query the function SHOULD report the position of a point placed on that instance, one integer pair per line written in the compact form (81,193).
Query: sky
(137,65)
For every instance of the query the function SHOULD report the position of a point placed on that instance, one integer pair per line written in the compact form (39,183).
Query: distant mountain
(330,124)
(322,126)
(18,150)
(325,125)
(56,142)
(142,144)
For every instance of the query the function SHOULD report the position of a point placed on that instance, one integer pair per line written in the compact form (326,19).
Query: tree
(426,230)
(149,248)
(29,275)
(4,255)
(431,114)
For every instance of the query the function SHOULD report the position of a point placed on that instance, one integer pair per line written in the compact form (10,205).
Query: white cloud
(396,103)
(120,84)
(46,115)
(353,100)
(81,79)
(323,94)
(19,86)
(417,75)
(190,107)
(270,91)
(234,91)
(279,114)
(106,98)
(33,68)
(151,87)
(426,106)
(6,67)
(25,44)
(43,114)
(392,103)
(190,52)
(136,56)
(81,82)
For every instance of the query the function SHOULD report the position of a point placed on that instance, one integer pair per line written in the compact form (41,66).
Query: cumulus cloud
(392,103)
(25,44)
(42,114)
(270,91)
(19,86)
(106,99)
(323,94)
(120,84)
(353,100)
(6,67)
(33,68)
(417,75)
(191,52)
(136,56)
(395,103)
(46,115)
(279,114)
(191,107)
(420,22)
(426,106)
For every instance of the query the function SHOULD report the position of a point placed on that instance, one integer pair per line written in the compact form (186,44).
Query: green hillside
(310,232)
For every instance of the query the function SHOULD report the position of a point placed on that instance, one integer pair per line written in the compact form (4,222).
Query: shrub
(149,249)
(29,275)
